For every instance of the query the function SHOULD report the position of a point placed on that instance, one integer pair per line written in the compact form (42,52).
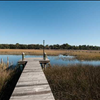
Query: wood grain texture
(32,84)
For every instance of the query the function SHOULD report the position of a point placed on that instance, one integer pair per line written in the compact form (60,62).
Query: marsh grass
(79,54)
(74,82)
(4,75)
(3,66)
(84,54)
(10,80)
(31,51)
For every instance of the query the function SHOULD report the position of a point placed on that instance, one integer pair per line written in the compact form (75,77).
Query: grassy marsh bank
(8,80)
(31,51)
(79,54)
(85,54)
(76,82)
(4,75)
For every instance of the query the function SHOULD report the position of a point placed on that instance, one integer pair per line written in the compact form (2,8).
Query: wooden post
(1,61)
(7,62)
(45,56)
(43,48)
(44,66)
(23,56)
(41,65)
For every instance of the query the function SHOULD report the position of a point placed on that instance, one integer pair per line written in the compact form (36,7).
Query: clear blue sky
(56,22)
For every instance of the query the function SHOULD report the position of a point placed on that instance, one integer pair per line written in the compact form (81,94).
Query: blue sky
(56,22)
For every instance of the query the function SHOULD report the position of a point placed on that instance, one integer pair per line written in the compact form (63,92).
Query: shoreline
(79,54)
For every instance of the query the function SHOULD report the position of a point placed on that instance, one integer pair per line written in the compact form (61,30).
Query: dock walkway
(32,84)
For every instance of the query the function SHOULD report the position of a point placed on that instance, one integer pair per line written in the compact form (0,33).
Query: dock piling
(7,62)
(1,61)
(23,56)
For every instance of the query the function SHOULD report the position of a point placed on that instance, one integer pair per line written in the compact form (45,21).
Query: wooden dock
(32,84)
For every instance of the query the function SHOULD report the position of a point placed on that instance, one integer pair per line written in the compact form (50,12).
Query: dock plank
(32,84)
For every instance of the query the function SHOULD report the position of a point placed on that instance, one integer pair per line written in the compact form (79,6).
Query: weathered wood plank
(32,84)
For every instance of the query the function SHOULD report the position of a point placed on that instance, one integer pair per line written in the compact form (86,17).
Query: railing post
(7,62)
(43,48)
(23,56)
(45,56)
(1,61)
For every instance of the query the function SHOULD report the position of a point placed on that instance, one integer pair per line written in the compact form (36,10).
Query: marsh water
(54,60)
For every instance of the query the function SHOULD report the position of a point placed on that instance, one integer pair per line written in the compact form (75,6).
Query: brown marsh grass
(84,54)
(79,54)
(74,82)
(31,51)
(4,75)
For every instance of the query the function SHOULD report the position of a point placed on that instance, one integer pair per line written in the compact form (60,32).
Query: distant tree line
(56,46)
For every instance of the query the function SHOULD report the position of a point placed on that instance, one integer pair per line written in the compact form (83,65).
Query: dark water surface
(59,60)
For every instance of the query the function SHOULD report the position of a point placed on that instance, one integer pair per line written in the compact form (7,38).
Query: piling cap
(23,53)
